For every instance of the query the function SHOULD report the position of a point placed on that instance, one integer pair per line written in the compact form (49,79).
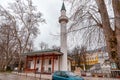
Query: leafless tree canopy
(18,27)
(79,55)
(99,20)
(43,46)
(85,22)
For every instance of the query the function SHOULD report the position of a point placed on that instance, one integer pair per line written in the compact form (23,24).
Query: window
(49,69)
(58,73)
(38,61)
(29,64)
(36,69)
(65,75)
(49,61)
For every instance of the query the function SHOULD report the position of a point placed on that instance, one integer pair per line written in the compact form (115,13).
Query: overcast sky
(51,12)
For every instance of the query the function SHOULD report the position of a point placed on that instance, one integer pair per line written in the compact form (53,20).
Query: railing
(102,73)
(115,73)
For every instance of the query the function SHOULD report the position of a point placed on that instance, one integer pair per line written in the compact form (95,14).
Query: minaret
(63,20)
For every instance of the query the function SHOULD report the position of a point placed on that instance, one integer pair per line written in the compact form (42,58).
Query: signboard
(113,66)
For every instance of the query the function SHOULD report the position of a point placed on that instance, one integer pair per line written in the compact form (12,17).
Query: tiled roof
(44,52)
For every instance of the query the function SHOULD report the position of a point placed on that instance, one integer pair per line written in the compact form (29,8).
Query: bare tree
(25,19)
(43,46)
(79,55)
(100,22)
(55,47)
(7,45)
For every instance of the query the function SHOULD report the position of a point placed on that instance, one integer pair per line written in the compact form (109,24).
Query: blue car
(65,75)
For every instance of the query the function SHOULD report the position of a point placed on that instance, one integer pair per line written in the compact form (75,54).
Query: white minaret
(63,20)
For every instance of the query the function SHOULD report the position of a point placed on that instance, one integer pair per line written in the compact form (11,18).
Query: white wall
(56,64)
(69,65)
(47,65)
(39,66)
(32,65)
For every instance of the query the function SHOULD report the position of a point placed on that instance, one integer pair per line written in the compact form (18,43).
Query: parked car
(65,75)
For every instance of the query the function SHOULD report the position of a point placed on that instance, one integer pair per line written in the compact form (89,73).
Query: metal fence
(102,73)
(115,73)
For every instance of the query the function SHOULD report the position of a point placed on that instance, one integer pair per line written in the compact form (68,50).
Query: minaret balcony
(63,18)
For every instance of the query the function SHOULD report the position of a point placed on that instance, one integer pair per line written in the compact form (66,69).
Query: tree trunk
(19,64)
(116,9)
(110,36)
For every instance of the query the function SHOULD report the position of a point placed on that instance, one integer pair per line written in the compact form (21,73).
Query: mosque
(49,61)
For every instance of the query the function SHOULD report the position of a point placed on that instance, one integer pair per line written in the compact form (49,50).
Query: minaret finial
(63,16)
(63,6)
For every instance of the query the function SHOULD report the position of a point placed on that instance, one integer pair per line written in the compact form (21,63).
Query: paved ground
(93,78)
(8,76)
(11,76)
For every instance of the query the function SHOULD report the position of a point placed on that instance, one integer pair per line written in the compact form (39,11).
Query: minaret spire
(63,6)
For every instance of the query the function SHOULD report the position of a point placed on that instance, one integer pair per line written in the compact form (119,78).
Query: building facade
(46,61)
(91,59)
(94,58)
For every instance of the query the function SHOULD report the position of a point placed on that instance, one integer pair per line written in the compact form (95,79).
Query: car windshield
(70,74)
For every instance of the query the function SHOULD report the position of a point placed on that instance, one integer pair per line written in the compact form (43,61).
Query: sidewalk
(97,78)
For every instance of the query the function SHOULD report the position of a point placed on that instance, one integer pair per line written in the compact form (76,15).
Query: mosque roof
(44,52)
